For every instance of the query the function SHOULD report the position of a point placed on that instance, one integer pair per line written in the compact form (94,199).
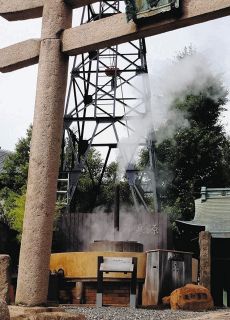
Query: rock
(191,297)
(4,311)
(166,301)
(4,277)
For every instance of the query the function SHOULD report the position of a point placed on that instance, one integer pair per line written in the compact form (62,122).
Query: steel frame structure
(102,99)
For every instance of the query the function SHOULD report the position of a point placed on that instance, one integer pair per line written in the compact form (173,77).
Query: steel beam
(114,30)
(20,55)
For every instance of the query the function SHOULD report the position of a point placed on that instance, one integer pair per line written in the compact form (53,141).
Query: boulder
(166,301)
(191,297)
(4,311)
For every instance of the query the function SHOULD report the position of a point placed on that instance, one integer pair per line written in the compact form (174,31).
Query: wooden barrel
(116,246)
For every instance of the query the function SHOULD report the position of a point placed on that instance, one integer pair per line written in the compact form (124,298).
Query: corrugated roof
(213,214)
(3,155)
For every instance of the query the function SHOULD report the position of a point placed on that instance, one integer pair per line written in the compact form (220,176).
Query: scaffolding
(102,101)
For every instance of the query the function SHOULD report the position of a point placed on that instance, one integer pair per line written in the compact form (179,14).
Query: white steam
(141,227)
(158,92)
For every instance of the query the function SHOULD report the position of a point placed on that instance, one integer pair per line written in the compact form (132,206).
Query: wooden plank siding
(151,230)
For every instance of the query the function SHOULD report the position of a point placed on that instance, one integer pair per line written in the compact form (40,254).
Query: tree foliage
(13,181)
(195,152)
(95,193)
(196,155)
(15,214)
(15,170)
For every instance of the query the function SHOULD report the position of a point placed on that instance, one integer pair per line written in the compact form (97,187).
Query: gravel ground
(109,313)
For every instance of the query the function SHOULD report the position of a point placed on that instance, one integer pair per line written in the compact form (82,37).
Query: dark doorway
(220,272)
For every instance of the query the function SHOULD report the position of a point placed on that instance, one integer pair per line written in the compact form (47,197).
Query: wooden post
(99,297)
(133,284)
(205,259)
(117,208)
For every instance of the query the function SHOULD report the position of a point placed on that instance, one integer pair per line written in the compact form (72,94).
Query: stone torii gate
(58,41)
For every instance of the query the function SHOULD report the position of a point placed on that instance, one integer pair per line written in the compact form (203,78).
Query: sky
(17,89)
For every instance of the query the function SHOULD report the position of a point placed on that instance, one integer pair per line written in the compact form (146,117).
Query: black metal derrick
(100,101)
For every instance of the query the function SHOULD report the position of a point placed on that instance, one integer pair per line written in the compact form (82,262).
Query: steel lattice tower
(102,99)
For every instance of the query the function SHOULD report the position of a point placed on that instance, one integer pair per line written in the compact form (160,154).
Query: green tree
(196,155)
(91,192)
(15,214)
(13,181)
(15,170)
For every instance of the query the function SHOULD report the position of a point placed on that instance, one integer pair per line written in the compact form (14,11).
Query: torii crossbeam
(58,41)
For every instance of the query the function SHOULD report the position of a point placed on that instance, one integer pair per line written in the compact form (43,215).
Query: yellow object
(83,265)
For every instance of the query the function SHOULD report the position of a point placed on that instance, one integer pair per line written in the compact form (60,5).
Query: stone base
(4,311)
(40,313)
(214,316)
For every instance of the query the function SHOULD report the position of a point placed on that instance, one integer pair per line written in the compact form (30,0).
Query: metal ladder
(63,192)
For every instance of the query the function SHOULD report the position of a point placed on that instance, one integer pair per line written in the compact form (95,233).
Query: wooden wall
(78,230)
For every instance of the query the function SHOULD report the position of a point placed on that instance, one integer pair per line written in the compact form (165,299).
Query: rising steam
(158,92)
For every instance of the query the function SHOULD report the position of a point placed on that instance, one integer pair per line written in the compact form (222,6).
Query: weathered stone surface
(4,311)
(20,55)
(191,297)
(57,16)
(43,172)
(15,310)
(38,313)
(114,30)
(205,259)
(21,9)
(214,316)
(32,286)
(28,9)
(195,267)
(4,277)
(79,3)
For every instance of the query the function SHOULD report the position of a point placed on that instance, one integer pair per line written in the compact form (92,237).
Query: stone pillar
(205,259)
(4,277)
(36,242)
